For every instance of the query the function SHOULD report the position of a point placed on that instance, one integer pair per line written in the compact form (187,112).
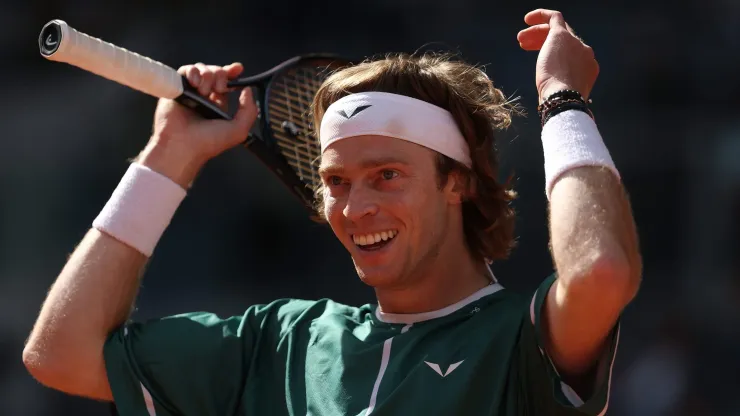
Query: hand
(564,61)
(183,141)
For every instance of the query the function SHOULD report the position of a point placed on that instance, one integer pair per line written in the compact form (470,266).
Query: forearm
(592,229)
(96,290)
(592,234)
(93,294)
(594,248)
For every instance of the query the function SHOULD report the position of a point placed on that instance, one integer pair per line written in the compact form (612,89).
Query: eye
(389,174)
(335,180)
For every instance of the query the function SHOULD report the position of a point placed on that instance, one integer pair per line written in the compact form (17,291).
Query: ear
(457,188)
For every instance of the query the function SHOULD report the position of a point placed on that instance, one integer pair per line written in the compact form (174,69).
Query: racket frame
(261,141)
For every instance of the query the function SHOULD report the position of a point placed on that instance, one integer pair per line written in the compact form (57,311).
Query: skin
(593,238)
(96,289)
(376,183)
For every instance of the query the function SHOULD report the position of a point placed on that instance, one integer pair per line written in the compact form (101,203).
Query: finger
(219,79)
(234,70)
(540,16)
(191,73)
(206,79)
(219,99)
(183,70)
(532,38)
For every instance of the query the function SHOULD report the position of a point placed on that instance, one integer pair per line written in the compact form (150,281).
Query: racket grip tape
(62,43)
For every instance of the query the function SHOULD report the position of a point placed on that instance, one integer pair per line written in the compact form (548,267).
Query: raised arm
(97,287)
(593,238)
(595,250)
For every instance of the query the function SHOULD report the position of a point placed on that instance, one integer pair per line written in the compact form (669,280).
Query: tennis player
(409,188)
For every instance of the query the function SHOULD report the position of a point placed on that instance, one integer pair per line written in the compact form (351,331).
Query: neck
(448,279)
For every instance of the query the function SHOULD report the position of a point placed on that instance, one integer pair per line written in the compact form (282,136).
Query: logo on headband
(354,112)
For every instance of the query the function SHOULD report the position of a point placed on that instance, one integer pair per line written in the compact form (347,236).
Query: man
(408,188)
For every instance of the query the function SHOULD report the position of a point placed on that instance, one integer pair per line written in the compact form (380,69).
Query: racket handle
(62,43)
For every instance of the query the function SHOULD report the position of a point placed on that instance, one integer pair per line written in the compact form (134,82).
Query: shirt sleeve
(547,392)
(188,364)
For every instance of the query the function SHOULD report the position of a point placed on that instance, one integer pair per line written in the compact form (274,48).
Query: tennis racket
(283,137)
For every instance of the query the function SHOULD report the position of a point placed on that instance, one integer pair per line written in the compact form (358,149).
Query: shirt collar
(411,318)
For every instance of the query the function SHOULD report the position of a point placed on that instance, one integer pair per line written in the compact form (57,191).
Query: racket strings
(289,106)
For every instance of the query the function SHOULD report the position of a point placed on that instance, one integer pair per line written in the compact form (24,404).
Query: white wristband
(569,140)
(140,208)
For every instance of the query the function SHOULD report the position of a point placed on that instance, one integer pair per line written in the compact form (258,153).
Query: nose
(360,203)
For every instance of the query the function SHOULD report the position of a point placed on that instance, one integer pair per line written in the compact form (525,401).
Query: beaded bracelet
(560,101)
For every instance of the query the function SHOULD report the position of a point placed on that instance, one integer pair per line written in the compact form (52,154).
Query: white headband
(394,115)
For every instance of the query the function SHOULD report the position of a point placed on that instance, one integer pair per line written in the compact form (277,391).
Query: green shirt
(481,356)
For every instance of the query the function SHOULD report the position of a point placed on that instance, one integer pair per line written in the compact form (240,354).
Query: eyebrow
(366,164)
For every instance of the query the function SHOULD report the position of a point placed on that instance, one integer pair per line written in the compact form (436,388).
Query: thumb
(224,134)
(556,20)
(533,37)
(541,16)
(245,115)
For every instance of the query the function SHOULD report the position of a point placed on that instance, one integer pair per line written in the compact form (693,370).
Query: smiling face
(383,201)
(411,202)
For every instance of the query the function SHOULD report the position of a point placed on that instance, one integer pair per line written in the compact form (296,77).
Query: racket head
(286,126)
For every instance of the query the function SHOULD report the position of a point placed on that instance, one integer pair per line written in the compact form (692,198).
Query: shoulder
(545,381)
(536,300)
(513,313)
(277,317)
(524,303)
(527,306)
(286,313)
(292,308)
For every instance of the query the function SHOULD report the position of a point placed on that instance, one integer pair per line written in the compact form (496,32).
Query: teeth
(367,239)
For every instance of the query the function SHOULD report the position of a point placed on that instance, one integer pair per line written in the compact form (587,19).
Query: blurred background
(666,102)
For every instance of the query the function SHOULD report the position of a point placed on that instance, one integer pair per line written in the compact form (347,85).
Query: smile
(374,241)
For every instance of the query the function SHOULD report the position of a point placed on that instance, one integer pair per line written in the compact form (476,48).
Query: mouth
(374,241)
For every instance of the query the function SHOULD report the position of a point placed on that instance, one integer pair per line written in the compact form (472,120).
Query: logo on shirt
(438,370)
(351,113)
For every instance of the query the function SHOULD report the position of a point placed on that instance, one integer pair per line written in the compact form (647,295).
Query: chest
(455,367)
